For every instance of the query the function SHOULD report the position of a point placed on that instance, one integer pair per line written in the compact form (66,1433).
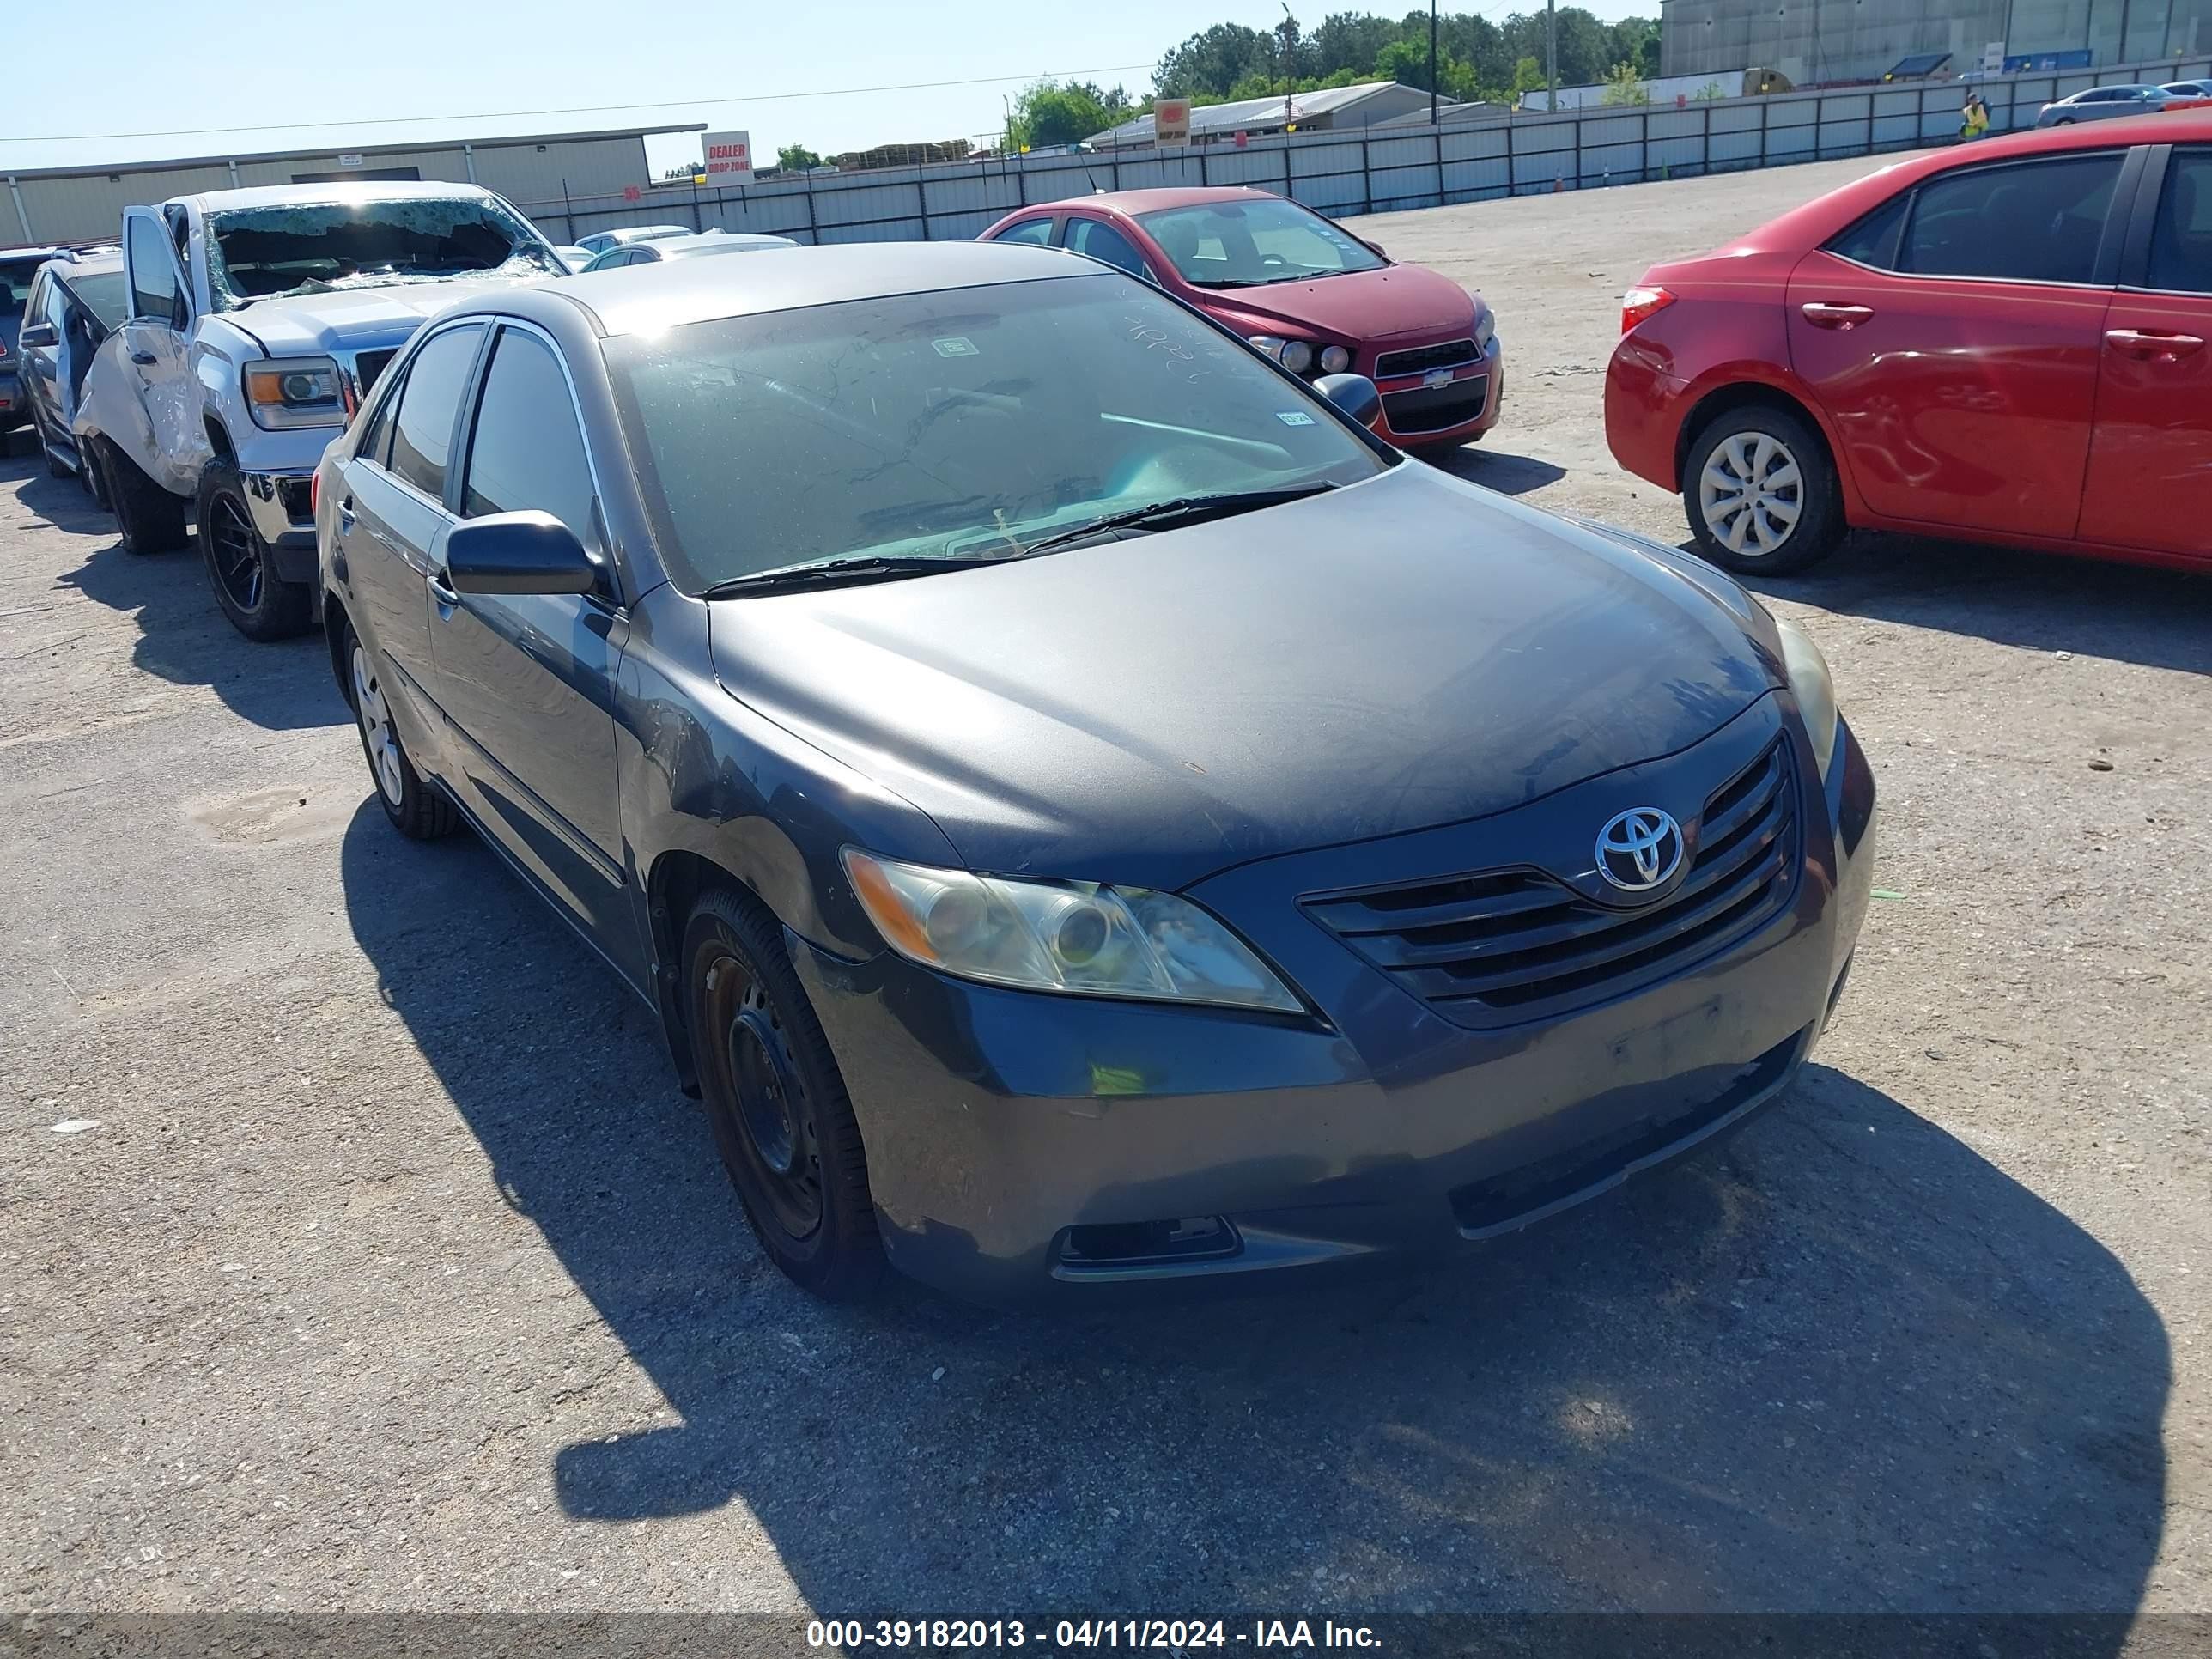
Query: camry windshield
(1245,244)
(965,424)
(272,253)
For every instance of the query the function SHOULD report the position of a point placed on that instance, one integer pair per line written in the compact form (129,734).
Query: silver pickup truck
(257,319)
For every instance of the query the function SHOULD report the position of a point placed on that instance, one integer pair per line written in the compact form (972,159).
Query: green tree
(1347,43)
(1407,62)
(797,158)
(1622,86)
(1528,76)
(1065,112)
(1210,62)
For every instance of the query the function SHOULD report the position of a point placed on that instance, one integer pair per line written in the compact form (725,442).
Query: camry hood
(1360,305)
(353,320)
(1404,653)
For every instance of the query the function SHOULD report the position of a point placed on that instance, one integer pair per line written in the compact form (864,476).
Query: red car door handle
(2166,347)
(1821,313)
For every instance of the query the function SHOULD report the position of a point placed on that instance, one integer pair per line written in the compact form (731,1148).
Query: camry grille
(1503,946)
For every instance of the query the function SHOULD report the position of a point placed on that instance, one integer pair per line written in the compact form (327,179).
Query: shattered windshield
(273,252)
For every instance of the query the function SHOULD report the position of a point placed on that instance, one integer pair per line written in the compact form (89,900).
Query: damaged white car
(257,320)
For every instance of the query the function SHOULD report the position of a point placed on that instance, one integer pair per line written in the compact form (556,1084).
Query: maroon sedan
(1305,290)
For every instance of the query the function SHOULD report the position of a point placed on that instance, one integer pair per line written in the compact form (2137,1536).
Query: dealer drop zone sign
(729,158)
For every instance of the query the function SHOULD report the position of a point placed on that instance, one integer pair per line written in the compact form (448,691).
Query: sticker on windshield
(954,347)
(1294,417)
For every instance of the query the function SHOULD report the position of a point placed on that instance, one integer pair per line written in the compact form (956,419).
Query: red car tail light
(1639,303)
(315,493)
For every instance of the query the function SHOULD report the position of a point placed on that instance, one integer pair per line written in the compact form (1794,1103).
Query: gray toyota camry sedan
(1085,813)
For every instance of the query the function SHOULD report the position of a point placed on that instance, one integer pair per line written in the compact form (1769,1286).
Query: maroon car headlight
(1335,360)
(1297,356)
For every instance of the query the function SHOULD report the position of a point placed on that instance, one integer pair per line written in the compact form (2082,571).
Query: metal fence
(1371,170)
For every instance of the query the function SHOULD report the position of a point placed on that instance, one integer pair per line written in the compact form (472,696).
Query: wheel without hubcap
(782,1118)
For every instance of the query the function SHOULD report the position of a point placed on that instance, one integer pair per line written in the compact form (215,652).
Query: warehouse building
(1363,106)
(1814,41)
(537,173)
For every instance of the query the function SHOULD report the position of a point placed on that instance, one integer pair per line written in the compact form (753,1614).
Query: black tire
(148,518)
(417,810)
(239,565)
(782,1121)
(1782,527)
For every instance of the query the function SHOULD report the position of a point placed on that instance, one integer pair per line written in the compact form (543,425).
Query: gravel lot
(396,1274)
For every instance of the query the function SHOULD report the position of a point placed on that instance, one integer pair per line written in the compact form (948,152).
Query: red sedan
(1303,289)
(2005,341)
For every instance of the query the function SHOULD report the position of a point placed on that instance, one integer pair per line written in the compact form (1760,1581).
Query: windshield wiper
(835,573)
(1185,509)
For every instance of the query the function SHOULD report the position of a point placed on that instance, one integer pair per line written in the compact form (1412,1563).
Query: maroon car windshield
(1249,243)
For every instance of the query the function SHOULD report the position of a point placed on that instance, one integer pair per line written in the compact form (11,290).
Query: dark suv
(18,265)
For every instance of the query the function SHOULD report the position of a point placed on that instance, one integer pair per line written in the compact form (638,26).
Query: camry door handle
(1823,313)
(345,514)
(445,597)
(2164,348)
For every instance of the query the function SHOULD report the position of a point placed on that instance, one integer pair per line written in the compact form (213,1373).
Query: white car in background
(600,240)
(685,247)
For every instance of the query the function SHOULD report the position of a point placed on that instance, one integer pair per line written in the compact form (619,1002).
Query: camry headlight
(1078,937)
(288,392)
(1810,684)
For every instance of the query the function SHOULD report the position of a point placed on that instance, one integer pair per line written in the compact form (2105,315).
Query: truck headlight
(1810,683)
(1082,937)
(290,391)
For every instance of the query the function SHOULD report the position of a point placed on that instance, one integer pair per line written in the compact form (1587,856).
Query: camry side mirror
(37,334)
(526,552)
(1353,395)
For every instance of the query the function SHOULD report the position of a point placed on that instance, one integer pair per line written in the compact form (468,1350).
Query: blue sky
(356,66)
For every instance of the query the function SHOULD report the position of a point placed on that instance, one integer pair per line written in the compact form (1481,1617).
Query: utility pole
(1551,52)
(1432,63)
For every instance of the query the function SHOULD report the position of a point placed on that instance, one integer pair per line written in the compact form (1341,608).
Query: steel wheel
(1751,493)
(757,1077)
(235,552)
(376,733)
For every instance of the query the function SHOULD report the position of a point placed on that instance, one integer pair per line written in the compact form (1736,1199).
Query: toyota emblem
(1639,849)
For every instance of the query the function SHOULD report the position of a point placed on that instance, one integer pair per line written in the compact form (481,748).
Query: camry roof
(673,292)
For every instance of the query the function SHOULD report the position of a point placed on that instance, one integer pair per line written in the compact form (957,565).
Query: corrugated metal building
(66,204)
(1330,109)
(1823,41)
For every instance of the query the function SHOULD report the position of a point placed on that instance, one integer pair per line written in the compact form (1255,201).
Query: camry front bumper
(1024,1148)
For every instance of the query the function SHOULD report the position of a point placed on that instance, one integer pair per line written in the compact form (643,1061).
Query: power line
(576,109)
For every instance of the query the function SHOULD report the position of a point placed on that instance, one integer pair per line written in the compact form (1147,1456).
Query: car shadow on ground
(1507,474)
(1842,1363)
(2161,618)
(183,637)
